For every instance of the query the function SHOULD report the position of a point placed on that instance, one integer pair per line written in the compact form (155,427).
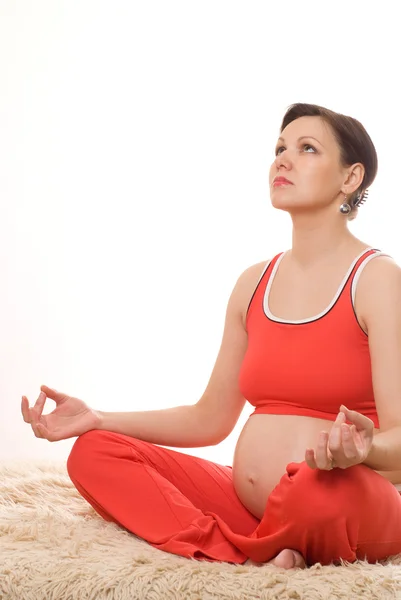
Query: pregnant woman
(312,339)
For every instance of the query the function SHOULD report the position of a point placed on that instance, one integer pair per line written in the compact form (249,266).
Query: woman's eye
(304,146)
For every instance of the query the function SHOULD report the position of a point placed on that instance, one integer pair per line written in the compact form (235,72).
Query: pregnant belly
(265,447)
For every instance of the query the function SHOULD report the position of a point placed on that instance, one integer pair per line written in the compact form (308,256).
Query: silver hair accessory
(361,198)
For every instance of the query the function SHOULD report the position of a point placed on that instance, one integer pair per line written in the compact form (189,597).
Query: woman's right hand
(71,417)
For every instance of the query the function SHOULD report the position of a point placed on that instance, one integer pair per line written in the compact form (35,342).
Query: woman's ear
(353,178)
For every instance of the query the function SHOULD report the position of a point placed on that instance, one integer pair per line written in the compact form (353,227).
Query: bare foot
(288,559)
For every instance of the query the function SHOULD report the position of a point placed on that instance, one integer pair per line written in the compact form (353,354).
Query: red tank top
(312,366)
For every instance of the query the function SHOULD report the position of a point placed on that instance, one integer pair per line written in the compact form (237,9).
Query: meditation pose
(312,340)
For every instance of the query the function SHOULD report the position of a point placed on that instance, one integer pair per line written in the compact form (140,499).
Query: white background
(135,143)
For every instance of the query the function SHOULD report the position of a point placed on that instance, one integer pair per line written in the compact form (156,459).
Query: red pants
(188,506)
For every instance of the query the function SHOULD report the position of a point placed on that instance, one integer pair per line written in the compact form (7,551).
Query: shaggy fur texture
(54,546)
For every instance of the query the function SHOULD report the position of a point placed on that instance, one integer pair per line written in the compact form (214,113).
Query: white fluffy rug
(54,546)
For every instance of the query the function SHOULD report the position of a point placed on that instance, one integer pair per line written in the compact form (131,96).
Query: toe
(289,559)
(298,560)
(284,559)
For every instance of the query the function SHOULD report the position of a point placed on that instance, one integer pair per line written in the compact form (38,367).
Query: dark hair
(353,140)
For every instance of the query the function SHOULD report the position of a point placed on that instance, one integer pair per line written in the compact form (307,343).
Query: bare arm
(180,426)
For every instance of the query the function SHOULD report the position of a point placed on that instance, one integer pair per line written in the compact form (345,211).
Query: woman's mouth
(281,181)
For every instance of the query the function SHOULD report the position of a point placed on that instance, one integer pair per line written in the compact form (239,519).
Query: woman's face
(307,154)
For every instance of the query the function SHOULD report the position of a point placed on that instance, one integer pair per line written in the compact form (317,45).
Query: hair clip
(361,198)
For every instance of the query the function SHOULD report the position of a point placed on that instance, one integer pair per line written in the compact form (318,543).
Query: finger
(44,432)
(45,389)
(36,429)
(25,409)
(360,421)
(360,446)
(349,448)
(36,411)
(322,459)
(39,404)
(53,394)
(310,458)
(335,434)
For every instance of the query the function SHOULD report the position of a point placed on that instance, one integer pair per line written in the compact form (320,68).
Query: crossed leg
(162,496)
(188,506)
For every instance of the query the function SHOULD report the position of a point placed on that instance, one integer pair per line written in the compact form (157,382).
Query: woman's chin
(291,207)
(286,206)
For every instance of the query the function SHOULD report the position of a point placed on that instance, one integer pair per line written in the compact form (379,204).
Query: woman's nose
(283,160)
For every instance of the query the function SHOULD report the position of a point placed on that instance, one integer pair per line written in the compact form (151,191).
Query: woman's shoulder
(381,265)
(253,274)
(255,271)
(247,283)
(379,285)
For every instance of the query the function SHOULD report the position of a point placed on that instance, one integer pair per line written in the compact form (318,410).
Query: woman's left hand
(345,445)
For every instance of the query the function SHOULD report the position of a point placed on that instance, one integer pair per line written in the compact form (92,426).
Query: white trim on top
(324,312)
(359,271)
